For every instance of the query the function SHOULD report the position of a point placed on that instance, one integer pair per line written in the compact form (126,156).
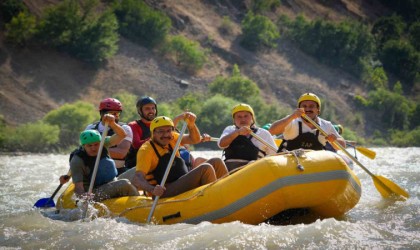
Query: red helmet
(110,104)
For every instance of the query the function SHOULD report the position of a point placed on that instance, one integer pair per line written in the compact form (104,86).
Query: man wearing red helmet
(119,152)
(147,109)
(300,133)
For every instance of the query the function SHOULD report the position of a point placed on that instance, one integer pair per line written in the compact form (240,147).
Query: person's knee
(208,173)
(127,189)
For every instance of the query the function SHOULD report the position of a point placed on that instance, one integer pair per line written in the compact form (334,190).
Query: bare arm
(119,131)
(278,126)
(226,140)
(141,183)
(193,136)
(120,151)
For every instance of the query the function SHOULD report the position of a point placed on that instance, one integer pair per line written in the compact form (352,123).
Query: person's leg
(198,161)
(219,167)
(129,175)
(114,189)
(199,176)
(232,165)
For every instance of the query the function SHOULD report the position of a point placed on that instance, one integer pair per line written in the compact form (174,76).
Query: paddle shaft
(348,154)
(95,168)
(168,169)
(263,141)
(57,189)
(98,158)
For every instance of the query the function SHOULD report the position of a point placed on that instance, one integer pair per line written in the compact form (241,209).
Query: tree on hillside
(401,59)
(71,120)
(140,23)
(259,32)
(78,28)
(388,28)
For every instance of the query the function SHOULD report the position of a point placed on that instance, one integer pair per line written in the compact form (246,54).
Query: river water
(374,223)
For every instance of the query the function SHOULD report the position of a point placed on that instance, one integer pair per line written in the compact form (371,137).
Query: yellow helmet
(243,107)
(310,97)
(161,121)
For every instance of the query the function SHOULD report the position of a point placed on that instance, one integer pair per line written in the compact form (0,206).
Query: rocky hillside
(36,80)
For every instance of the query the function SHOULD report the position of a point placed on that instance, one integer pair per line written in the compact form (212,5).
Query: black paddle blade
(44,203)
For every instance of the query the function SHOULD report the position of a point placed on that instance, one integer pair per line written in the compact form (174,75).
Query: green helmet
(267,126)
(90,136)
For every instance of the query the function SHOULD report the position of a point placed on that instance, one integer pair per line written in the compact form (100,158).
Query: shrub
(392,106)
(414,35)
(216,114)
(227,26)
(21,28)
(11,8)
(129,102)
(388,28)
(259,6)
(71,120)
(401,59)
(142,24)
(32,137)
(345,45)
(80,30)
(186,53)
(259,32)
(236,86)
(406,138)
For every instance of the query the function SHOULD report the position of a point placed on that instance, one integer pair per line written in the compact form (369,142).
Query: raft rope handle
(298,153)
(200,193)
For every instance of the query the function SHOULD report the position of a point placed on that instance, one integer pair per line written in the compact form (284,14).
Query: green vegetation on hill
(89,29)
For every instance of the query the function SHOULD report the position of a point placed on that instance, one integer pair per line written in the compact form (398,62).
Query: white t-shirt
(291,131)
(101,127)
(264,134)
(128,137)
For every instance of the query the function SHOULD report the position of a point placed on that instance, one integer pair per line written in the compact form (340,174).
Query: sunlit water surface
(374,223)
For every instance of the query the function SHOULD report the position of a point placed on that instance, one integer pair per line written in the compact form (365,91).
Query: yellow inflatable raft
(318,180)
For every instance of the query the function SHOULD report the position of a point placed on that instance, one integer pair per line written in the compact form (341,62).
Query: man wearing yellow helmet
(154,155)
(299,133)
(237,142)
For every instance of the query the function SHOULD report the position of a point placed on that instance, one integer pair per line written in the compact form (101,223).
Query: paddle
(168,169)
(263,141)
(95,168)
(49,202)
(366,152)
(384,186)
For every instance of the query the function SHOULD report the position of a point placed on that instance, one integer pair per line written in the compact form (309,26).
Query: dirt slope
(35,80)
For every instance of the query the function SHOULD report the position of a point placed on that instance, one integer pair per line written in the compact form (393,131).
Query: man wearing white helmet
(299,133)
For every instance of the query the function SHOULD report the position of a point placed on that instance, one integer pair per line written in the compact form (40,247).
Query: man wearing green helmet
(154,155)
(299,133)
(238,145)
(83,161)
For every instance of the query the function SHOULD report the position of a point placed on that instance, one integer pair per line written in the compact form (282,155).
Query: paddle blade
(367,152)
(390,188)
(44,203)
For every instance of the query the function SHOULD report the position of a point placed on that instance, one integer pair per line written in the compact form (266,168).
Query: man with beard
(238,145)
(154,155)
(300,133)
(147,109)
